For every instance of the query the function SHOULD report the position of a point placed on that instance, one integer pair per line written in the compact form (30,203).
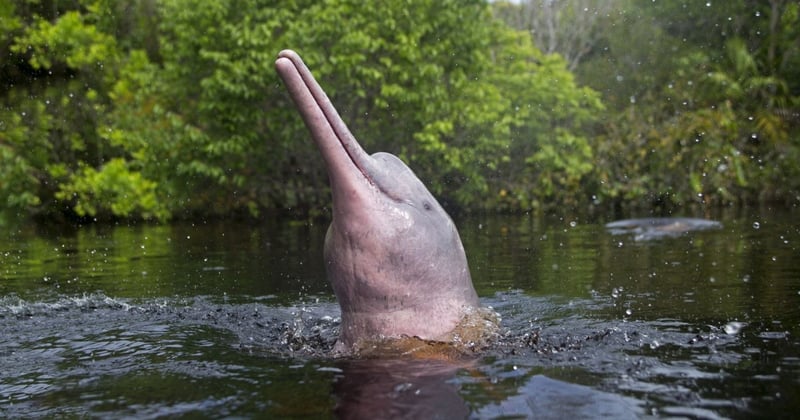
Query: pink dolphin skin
(392,254)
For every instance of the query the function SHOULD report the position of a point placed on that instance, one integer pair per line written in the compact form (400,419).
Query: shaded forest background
(165,109)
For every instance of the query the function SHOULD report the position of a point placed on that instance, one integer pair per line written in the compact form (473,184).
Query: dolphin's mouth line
(333,121)
(355,161)
(324,106)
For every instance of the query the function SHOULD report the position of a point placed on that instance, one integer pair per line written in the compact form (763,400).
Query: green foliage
(711,120)
(8,20)
(410,78)
(70,40)
(55,99)
(113,190)
(159,109)
(548,160)
(416,79)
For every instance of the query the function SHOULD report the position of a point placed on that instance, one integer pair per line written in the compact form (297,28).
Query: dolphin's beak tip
(280,64)
(287,53)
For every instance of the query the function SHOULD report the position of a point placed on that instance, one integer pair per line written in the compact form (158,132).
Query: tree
(570,28)
(710,125)
(415,79)
(173,108)
(549,153)
(55,98)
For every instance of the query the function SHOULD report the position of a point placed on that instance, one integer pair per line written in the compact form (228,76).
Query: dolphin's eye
(426,205)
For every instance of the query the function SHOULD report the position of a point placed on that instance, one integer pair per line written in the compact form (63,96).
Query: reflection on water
(233,320)
(283,260)
(414,389)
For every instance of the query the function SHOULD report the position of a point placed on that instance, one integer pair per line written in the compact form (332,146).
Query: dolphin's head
(354,175)
(393,255)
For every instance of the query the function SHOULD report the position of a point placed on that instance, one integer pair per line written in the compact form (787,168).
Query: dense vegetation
(162,109)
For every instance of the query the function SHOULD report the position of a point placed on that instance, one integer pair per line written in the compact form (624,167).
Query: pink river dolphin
(393,256)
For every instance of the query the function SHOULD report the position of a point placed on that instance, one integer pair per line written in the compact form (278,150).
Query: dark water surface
(232,320)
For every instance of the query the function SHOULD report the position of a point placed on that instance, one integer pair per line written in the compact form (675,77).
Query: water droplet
(756,225)
(628,312)
(573,223)
(403,387)
(733,327)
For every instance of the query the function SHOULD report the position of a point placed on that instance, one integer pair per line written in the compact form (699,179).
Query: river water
(235,320)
